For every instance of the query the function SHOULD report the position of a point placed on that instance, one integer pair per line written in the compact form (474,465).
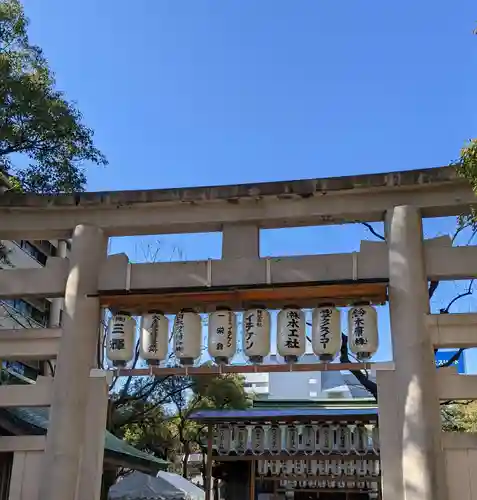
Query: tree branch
(373,231)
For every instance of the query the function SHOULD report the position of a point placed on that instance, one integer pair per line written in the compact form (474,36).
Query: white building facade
(301,386)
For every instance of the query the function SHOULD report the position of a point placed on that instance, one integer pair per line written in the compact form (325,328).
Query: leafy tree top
(43,141)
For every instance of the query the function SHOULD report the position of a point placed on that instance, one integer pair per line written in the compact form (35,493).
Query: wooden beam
(29,344)
(221,369)
(238,299)
(25,395)
(456,387)
(22,443)
(453,330)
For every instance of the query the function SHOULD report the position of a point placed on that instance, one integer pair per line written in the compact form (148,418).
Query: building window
(29,311)
(313,394)
(33,251)
(335,394)
(312,381)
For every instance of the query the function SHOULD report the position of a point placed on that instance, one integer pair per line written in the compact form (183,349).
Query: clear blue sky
(228,91)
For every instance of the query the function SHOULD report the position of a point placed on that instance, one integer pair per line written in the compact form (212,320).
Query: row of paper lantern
(291,439)
(371,487)
(335,468)
(222,335)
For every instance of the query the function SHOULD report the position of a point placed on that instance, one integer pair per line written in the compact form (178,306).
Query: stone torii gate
(413,448)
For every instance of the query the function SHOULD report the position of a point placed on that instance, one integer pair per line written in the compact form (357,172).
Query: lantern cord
(355,265)
(209,273)
(128,277)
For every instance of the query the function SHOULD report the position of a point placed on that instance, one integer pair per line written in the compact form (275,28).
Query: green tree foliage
(153,414)
(459,417)
(43,142)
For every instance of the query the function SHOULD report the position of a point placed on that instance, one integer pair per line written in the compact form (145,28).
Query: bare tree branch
(373,231)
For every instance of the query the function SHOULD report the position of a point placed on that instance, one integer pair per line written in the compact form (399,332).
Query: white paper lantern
(258,440)
(375,439)
(326,332)
(241,439)
(308,438)
(343,439)
(291,334)
(291,441)
(300,467)
(187,333)
(274,439)
(360,439)
(256,334)
(275,467)
(121,331)
(288,468)
(154,337)
(363,331)
(222,338)
(326,441)
(225,440)
(262,467)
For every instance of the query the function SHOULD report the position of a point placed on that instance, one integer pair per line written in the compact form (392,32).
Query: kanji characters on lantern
(291,334)
(154,337)
(256,334)
(120,339)
(363,331)
(187,334)
(222,338)
(326,332)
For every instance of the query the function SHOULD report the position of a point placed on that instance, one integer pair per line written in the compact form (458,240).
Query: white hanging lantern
(288,468)
(363,331)
(275,467)
(256,334)
(300,467)
(313,467)
(262,467)
(360,439)
(225,439)
(326,442)
(222,338)
(154,337)
(241,439)
(375,439)
(308,437)
(326,332)
(187,333)
(258,440)
(274,439)
(291,334)
(121,330)
(291,439)
(343,441)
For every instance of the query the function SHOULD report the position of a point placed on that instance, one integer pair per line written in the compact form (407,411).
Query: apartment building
(30,312)
(300,386)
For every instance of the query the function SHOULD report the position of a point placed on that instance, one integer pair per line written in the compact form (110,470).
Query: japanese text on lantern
(254,319)
(325,321)
(293,327)
(358,316)
(153,331)
(179,332)
(117,342)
